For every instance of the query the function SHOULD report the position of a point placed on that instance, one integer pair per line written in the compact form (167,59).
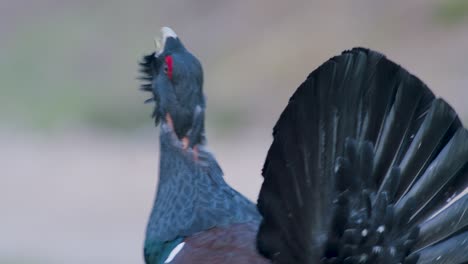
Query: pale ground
(85,198)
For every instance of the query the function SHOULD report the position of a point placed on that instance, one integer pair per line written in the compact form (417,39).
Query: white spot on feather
(392,251)
(364,233)
(174,252)
(381,229)
(450,202)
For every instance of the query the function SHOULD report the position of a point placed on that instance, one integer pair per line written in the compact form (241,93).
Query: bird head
(175,79)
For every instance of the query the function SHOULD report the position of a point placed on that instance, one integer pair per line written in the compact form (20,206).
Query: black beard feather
(149,66)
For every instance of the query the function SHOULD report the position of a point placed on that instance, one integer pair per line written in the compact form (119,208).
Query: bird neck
(192,196)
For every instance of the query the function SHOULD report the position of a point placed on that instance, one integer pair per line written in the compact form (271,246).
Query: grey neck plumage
(192,196)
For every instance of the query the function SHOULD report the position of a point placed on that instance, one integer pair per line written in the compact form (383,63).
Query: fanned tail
(366,166)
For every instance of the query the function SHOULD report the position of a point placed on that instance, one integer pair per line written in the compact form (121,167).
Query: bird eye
(165,69)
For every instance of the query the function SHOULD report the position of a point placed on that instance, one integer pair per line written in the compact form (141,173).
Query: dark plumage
(364,158)
(364,168)
(233,244)
(179,95)
(192,197)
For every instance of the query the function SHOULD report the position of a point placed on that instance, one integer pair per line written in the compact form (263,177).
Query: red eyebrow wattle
(168,60)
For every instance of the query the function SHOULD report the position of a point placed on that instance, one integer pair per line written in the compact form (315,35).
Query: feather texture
(363,162)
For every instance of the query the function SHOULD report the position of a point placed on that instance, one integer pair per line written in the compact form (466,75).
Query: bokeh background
(78,150)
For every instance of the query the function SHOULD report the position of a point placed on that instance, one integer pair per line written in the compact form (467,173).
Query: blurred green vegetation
(60,71)
(76,64)
(452,11)
(57,71)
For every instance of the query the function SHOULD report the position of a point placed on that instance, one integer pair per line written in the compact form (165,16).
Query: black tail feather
(450,251)
(444,223)
(428,141)
(362,166)
(450,162)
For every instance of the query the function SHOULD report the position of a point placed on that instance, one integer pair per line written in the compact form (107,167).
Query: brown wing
(229,245)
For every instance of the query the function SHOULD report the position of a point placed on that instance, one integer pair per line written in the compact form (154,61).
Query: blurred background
(78,149)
